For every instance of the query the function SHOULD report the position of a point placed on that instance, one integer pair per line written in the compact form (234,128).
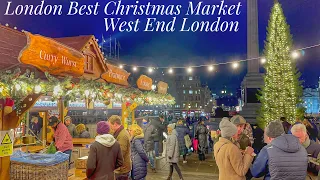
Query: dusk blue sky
(186,48)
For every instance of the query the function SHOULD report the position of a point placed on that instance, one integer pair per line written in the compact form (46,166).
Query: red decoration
(128,104)
(9,102)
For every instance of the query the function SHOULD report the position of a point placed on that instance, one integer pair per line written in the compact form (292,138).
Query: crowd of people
(241,151)
(291,151)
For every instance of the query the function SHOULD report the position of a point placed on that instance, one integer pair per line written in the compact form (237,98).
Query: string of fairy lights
(295,54)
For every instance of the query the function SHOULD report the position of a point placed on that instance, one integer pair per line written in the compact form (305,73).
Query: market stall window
(89,60)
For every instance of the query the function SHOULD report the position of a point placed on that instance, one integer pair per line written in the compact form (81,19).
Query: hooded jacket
(104,157)
(139,158)
(284,158)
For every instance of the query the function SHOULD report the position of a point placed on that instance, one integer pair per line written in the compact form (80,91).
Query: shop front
(43,77)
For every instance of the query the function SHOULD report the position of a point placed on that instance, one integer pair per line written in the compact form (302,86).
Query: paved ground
(193,170)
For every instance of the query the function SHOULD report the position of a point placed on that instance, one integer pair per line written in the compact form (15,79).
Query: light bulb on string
(121,66)
(134,68)
(189,69)
(57,89)
(263,60)
(235,65)
(37,89)
(18,87)
(150,70)
(295,54)
(210,68)
(170,71)
(1,89)
(153,87)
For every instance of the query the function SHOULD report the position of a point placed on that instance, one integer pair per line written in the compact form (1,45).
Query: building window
(190,92)
(183,105)
(184,91)
(190,98)
(196,92)
(88,66)
(182,85)
(196,105)
(190,78)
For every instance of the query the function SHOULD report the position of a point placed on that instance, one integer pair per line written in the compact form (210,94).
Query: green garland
(18,86)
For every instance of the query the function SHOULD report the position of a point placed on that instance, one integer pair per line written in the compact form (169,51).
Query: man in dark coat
(313,148)
(159,125)
(104,156)
(202,136)
(149,134)
(284,157)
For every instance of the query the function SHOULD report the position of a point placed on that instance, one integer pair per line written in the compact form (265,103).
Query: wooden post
(61,109)
(11,121)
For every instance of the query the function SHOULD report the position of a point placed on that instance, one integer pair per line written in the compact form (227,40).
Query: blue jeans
(156,148)
(151,157)
(69,153)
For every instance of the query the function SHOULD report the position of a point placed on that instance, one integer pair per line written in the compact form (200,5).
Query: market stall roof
(11,43)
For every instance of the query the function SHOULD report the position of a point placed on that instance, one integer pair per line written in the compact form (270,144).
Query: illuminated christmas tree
(282,91)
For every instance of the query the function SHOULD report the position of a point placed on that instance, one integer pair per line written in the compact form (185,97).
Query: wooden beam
(12,119)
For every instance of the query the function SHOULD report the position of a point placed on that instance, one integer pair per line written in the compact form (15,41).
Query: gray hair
(299,128)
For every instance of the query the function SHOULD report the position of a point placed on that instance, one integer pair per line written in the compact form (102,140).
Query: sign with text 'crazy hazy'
(116,75)
(51,56)
(144,83)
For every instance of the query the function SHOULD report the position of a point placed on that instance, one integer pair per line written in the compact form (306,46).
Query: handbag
(187,141)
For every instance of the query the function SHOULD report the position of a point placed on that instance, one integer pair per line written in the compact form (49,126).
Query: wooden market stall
(63,69)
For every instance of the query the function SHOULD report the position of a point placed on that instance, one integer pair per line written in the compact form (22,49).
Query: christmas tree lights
(282,90)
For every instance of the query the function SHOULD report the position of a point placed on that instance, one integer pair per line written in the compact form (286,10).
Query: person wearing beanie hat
(172,151)
(138,155)
(231,162)
(71,127)
(244,137)
(103,128)
(105,154)
(283,158)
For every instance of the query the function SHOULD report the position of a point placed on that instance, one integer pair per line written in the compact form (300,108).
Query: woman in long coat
(182,131)
(138,155)
(202,136)
(172,151)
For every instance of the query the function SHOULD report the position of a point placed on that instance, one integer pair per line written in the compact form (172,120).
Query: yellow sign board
(6,146)
(6,139)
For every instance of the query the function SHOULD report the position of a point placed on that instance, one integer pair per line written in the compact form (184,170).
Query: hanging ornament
(107,102)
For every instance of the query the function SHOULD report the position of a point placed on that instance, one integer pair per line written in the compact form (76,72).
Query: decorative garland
(17,86)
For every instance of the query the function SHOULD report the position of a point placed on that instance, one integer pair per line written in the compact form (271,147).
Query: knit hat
(238,120)
(172,126)
(227,128)
(274,129)
(103,127)
(53,120)
(80,128)
(136,129)
(67,118)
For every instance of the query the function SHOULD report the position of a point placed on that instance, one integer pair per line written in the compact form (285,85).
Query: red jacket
(63,139)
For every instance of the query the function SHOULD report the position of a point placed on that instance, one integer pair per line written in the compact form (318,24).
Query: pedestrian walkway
(193,170)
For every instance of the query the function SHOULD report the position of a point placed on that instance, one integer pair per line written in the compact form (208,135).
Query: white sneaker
(184,162)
